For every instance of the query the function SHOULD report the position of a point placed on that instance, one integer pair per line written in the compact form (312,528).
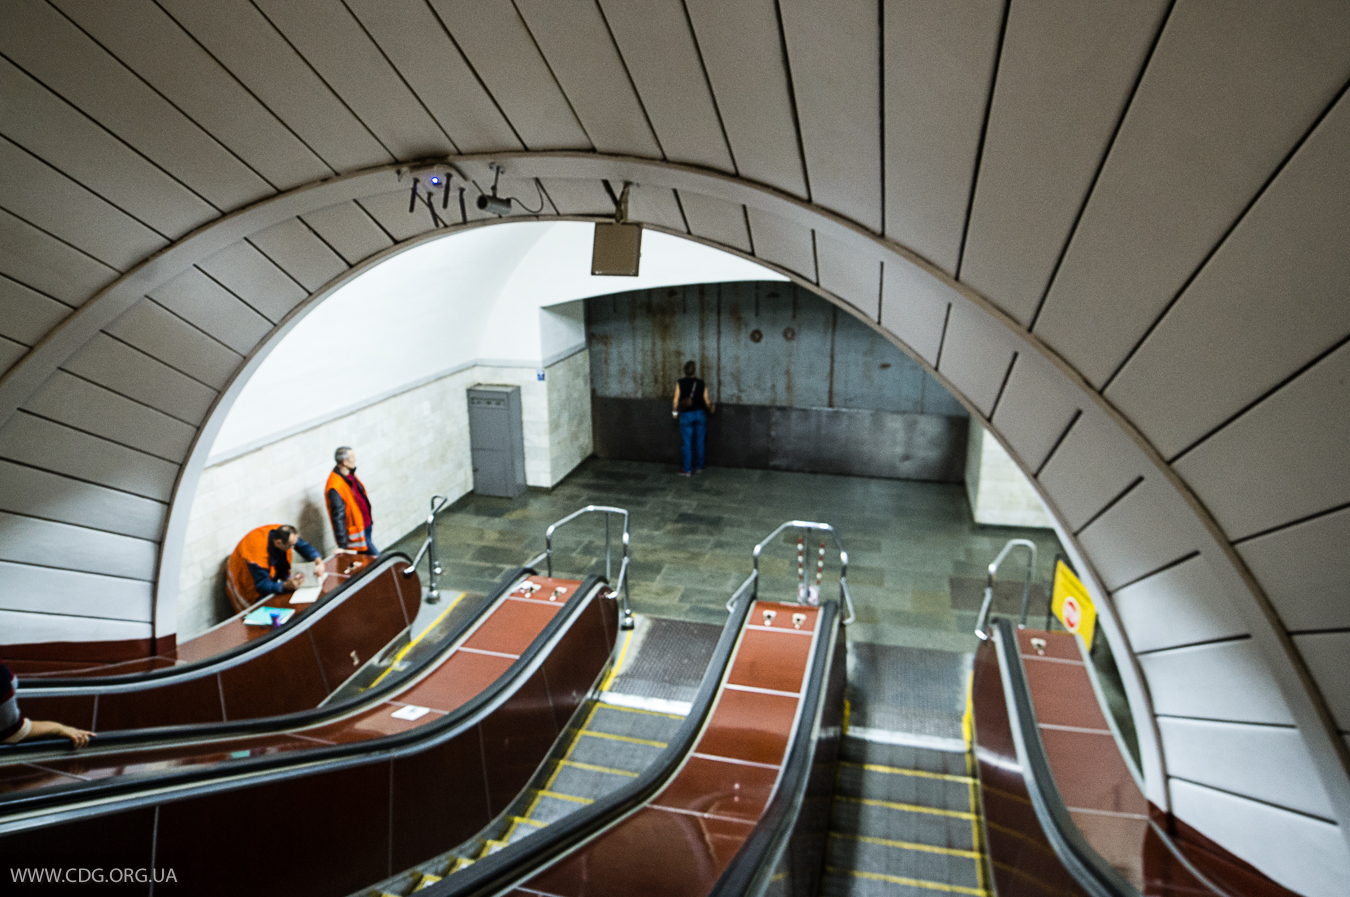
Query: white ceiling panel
(497,44)
(27,540)
(49,47)
(238,35)
(390,211)
(914,307)
(937,71)
(86,406)
(850,275)
(1269,763)
(26,315)
(296,250)
(1036,407)
(201,301)
(716,219)
(1149,527)
(1094,463)
(975,355)
(1221,681)
(40,628)
(44,263)
(660,54)
(1228,92)
(655,205)
(1284,459)
(46,590)
(576,43)
(1279,285)
(1064,77)
(579,197)
(43,196)
(251,276)
(144,38)
(783,242)
(136,375)
(1278,842)
(412,37)
(834,55)
(36,493)
(1305,571)
(1327,655)
(50,446)
(349,62)
(44,124)
(349,230)
(1181,605)
(156,331)
(742,50)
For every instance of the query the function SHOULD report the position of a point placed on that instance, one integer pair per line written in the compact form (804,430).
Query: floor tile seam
(759,628)
(736,760)
(757,690)
(486,652)
(554,604)
(1085,730)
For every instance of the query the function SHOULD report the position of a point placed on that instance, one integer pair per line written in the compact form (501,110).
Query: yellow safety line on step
(568,797)
(912,882)
(968,733)
(908,808)
(408,647)
(640,710)
(624,738)
(909,845)
(614,670)
(591,767)
(917,773)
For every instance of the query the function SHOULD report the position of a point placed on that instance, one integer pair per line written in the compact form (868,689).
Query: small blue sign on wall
(539,374)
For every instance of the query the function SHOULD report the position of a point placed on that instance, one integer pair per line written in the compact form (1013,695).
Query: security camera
(497,205)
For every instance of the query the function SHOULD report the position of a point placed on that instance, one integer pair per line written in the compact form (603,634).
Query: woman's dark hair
(689,368)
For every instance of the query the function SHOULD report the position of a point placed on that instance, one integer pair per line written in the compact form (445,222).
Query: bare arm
(707,399)
(78,737)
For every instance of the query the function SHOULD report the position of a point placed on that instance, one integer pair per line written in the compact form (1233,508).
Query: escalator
(477,718)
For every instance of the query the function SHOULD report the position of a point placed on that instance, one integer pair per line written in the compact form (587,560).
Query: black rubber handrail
(1087,867)
(136,790)
(76,684)
(753,866)
(264,725)
(519,860)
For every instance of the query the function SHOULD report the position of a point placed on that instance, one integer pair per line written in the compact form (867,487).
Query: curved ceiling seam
(21,381)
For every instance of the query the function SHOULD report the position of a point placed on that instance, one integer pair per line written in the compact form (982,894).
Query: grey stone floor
(916,557)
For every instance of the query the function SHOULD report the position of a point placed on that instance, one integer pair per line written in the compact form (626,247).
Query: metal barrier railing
(429,548)
(752,581)
(982,621)
(621,585)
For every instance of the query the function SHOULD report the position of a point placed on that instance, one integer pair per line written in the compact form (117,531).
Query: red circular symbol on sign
(1072,613)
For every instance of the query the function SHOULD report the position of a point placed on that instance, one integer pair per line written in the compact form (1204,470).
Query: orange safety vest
(356,524)
(252,549)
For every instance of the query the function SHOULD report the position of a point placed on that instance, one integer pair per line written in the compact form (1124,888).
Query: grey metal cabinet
(496,440)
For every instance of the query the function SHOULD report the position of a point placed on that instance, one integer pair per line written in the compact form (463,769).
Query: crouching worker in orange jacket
(348,505)
(261,564)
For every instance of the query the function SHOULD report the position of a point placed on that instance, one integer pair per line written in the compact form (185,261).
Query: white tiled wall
(409,447)
(998,490)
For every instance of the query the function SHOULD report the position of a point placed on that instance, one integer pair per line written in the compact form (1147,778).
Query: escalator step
(426,881)
(937,868)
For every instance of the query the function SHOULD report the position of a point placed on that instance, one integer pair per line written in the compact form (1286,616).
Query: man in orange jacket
(349,505)
(261,564)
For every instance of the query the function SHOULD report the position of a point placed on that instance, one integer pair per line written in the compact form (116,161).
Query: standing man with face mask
(348,505)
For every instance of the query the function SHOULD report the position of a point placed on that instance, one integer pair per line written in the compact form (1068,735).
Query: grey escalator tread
(903,821)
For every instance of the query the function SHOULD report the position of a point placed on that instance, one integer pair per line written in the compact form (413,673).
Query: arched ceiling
(1118,233)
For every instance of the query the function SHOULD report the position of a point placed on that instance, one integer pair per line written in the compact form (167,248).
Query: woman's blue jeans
(692,427)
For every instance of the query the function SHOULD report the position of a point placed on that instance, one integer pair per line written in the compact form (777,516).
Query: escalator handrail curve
(130,792)
(500,871)
(79,685)
(1087,867)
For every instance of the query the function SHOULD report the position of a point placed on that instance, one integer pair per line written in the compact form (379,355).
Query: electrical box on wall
(617,249)
(497,440)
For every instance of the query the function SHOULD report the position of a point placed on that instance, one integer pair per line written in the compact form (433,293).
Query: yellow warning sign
(1071,603)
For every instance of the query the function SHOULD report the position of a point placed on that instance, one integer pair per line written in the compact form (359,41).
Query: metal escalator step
(924,790)
(902,756)
(426,881)
(901,822)
(936,868)
(835,882)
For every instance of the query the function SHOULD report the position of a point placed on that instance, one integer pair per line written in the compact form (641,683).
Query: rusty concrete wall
(756,343)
